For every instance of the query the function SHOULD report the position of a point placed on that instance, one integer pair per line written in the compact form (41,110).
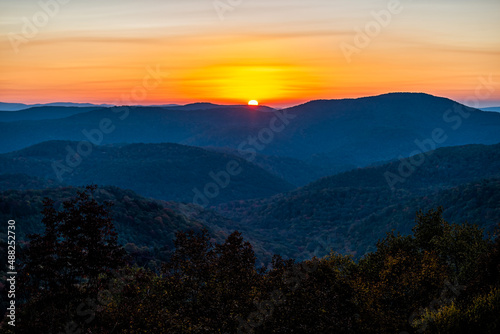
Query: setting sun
(253,103)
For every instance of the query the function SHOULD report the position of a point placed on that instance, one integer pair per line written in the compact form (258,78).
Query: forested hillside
(162,171)
(348,212)
(444,278)
(140,222)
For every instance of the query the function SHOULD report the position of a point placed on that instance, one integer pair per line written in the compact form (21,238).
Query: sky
(279,52)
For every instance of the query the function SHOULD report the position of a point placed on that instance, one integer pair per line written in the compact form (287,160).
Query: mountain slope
(138,220)
(351,221)
(21,106)
(145,227)
(444,167)
(331,134)
(491,109)
(163,171)
(43,112)
(350,211)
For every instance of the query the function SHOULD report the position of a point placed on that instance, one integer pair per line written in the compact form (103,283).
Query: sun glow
(233,83)
(253,103)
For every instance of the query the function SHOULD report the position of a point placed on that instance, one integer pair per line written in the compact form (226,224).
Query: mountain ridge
(164,171)
(332,135)
(349,211)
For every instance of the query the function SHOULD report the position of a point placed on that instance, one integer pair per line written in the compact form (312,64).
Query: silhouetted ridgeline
(331,134)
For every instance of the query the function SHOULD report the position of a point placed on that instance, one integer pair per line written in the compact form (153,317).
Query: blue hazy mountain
(335,135)
(346,212)
(350,211)
(4,106)
(494,109)
(43,112)
(163,171)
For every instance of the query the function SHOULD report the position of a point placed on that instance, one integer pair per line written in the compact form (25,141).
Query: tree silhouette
(66,264)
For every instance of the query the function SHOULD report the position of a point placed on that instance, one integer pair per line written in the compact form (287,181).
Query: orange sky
(278,52)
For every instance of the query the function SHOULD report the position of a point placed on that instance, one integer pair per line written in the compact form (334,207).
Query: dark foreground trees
(66,265)
(442,279)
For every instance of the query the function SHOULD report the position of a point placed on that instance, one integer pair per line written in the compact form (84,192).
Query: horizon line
(494,104)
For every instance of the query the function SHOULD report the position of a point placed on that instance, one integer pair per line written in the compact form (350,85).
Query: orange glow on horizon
(265,54)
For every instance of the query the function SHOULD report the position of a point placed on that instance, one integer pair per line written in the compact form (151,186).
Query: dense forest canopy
(443,278)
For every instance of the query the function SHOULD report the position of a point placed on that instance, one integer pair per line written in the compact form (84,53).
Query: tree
(313,296)
(395,281)
(429,228)
(66,264)
(460,246)
(216,280)
(234,282)
(203,288)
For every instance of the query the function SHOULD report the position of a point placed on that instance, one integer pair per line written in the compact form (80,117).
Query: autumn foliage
(443,278)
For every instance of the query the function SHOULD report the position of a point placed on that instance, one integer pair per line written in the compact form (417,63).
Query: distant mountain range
(42,113)
(335,135)
(63,110)
(243,166)
(495,109)
(4,106)
(21,106)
